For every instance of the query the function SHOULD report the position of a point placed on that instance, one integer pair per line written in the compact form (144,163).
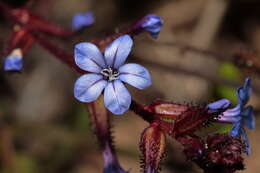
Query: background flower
(14,62)
(81,20)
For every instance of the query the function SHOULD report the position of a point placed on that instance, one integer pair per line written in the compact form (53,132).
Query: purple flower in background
(81,20)
(108,72)
(114,168)
(14,62)
(111,164)
(151,23)
(241,115)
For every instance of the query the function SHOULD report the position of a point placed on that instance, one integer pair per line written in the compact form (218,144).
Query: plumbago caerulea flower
(151,23)
(81,20)
(108,72)
(14,62)
(241,115)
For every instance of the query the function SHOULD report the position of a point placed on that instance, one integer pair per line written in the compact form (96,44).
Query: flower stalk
(101,125)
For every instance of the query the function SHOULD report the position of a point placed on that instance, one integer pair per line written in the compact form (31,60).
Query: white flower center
(110,74)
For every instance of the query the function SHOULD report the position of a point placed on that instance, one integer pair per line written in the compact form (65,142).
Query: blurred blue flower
(152,24)
(241,115)
(114,168)
(14,62)
(82,20)
(111,163)
(108,73)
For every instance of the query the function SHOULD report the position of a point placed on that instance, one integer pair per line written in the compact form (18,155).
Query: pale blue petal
(248,117)
(88,87)
(89,58)
(117,52)
(135,75)
(81,20)
(219,105)
(117,98)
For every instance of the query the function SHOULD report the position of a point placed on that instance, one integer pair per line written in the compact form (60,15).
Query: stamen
(110,74)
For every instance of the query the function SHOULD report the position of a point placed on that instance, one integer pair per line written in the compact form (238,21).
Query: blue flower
(14,62)
(108,72)
(241,115)
(152,24)
(81,20)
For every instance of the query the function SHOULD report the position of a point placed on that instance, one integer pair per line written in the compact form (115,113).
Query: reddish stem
(58,52)
(138,109)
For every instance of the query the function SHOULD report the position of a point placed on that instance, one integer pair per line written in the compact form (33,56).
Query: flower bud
(152,146)
(14,62)
(152,24)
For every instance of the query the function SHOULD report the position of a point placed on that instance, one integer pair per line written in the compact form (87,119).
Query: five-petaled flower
(241,115)
(14,62)
(108,72)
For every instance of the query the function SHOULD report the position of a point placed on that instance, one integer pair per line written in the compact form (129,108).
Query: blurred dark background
(44,129)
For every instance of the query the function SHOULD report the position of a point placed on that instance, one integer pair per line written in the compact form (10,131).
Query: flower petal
(88,87)
(89,58)
(228,119)
(219,105)
(117,98)
(245,92)
(81,20)
(233,112)
(135,75)
(248,117)
(245,139)
(117,52)
(236,130)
